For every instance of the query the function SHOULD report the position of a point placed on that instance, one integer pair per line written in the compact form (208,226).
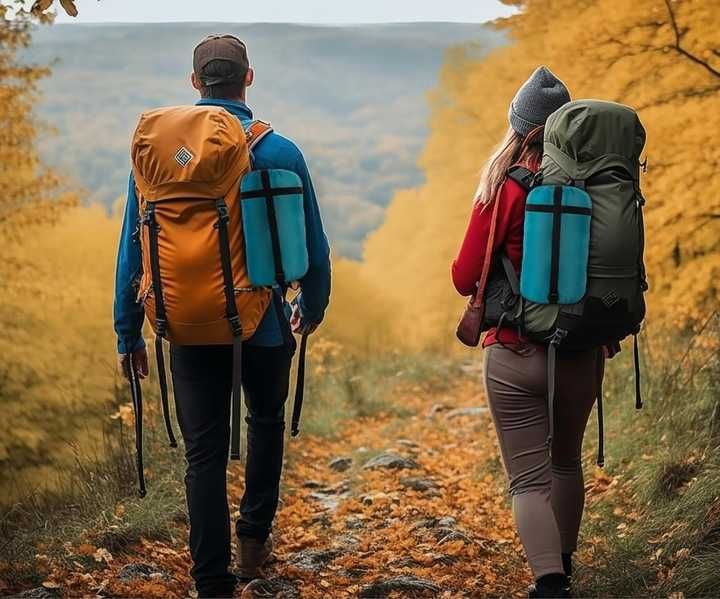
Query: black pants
(202,379)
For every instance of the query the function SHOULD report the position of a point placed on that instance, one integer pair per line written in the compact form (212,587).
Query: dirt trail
(420,506)
(411,502)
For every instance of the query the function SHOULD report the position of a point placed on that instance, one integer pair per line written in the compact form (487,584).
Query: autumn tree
(56,270)
(664,59)
(23,180)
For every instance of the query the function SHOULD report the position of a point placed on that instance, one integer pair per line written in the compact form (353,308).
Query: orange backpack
(187,162)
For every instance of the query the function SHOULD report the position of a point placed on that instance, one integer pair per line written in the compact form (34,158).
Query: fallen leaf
(103,555)
(49,584)
(86,549)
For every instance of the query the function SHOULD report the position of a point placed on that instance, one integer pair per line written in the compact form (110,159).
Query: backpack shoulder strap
(255,131)
(524,177)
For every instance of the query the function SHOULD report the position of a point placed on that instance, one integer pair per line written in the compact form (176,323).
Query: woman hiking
(546,484)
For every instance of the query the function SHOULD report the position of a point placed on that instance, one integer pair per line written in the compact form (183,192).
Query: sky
(285,11)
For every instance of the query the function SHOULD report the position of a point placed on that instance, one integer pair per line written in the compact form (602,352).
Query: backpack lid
(188,152)
(585,136)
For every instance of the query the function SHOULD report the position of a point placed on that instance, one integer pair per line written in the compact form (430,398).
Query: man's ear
(195,82)
(249,77)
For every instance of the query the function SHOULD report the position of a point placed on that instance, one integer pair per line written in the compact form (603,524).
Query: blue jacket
(274,151)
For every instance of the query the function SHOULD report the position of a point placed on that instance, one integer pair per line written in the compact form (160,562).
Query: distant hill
(354,98)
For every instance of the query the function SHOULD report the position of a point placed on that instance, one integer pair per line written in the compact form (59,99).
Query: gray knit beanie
(541,95)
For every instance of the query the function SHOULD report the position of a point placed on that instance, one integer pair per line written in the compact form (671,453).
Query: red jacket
(467,267)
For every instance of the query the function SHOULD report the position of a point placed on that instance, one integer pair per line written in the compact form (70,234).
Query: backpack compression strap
(160,318)
(136,393)
(599,375)
(299,388)
(231,313)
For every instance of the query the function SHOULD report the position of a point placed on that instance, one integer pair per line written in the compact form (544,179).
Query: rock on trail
(408,585)
(391,460)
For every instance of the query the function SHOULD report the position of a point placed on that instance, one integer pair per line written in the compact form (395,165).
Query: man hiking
(202,374)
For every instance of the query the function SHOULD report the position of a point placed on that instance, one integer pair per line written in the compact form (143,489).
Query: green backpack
(588,179)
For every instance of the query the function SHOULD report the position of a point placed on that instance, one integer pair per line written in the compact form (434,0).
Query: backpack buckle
(558,337)
(222,210)
(160,327)
(236,325)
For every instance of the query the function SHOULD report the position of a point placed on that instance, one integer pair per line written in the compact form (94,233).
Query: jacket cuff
(127,346)
(307,315)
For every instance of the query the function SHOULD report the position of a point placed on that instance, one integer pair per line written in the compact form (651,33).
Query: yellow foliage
(360,315)
(57,379)
(626,52)
(28,190)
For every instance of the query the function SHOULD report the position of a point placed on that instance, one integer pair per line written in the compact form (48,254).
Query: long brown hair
(513,149)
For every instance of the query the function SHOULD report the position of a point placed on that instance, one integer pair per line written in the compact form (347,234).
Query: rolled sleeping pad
(273,216)
(556,244)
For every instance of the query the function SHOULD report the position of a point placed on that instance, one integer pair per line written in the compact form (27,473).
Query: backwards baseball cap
(221,47)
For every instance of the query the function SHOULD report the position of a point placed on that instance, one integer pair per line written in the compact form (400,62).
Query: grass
(667,462)
(341,387)
(95,502)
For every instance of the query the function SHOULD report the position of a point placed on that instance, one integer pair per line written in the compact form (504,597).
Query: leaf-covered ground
(411,503)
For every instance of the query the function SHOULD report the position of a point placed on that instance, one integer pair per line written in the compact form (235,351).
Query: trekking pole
(299,388)
(136,393)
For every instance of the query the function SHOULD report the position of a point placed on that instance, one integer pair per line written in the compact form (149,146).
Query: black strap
(231,313)
(553,295)
(299,387)
(563,209)
(639,203)
(555,341)
(524,177)
(269,194)
(288,340)
(514,282)
(551,362)
(236,407)
(150,222)
(636,359)
(510,273)
(160,315)
(600,372)
(160,357)
(136,393)
(276,191)
(278,301)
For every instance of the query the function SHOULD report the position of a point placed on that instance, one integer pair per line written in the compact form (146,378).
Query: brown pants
(547,487)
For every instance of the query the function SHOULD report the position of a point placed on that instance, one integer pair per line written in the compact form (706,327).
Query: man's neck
(240,100)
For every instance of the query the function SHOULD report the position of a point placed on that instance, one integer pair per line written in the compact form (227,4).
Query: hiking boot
(550,585)
(567,560)
(567,564)
(252,554)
